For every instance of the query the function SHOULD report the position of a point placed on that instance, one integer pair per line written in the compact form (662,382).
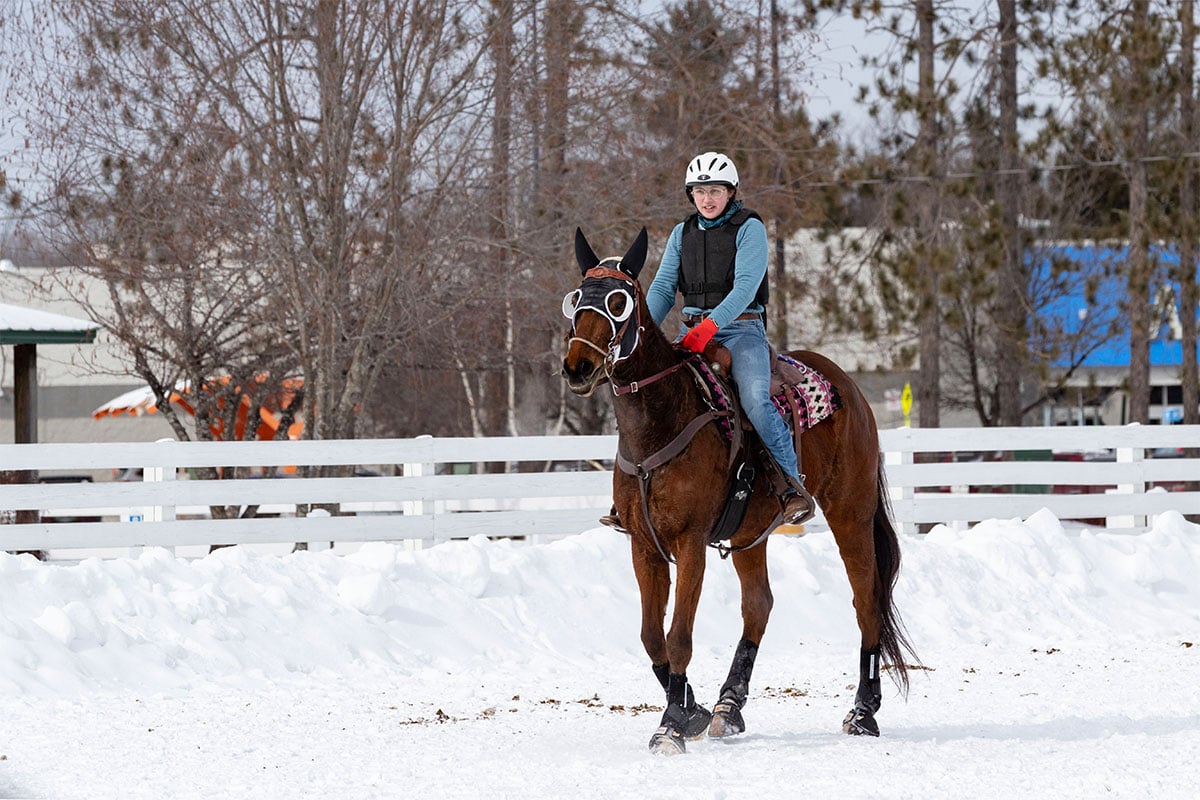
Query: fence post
(160,513)
(418,507)
(901,493)
(155,513)
(1128,455)
(314,547)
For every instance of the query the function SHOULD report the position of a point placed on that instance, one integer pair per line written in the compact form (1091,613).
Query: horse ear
(584,255)
(635,257)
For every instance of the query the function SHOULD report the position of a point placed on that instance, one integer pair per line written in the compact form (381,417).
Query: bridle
(617,351)
(597,294)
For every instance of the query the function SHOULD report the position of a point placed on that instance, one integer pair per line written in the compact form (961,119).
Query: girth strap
(802,489)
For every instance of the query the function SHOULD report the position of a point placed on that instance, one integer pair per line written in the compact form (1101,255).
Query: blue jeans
(746,340)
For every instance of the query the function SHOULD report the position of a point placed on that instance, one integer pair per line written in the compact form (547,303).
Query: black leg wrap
(683,718)
(668,737)
(677,689)
(683,715)
(727,713)
(870,694)
(861,719)
(661,671)
(737,685)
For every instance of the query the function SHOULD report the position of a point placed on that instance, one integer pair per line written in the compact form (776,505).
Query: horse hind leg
(856,544)
(872,560)
(860,721)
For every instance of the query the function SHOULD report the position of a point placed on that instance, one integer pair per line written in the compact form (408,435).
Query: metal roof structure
(1097,288)
(25,329)
(20,325)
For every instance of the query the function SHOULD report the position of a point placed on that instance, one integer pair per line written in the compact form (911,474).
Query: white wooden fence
(1126,474)
(935,475)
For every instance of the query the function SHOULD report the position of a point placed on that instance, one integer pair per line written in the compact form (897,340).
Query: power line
(1041,168)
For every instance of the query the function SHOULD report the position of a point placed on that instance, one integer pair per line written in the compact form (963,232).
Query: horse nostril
(579,371)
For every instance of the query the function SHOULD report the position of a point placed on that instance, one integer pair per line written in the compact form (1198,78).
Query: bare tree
(928,224)
(339,136)
(1136,47)
(1116,62)
(912,245)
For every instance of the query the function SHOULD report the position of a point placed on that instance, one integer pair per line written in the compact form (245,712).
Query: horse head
(605,312)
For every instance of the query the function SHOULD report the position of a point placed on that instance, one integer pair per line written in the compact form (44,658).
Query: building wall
(65,415)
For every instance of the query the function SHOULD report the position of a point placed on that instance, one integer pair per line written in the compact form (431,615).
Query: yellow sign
(906,402)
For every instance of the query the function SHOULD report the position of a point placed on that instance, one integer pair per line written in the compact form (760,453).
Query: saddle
(801,395)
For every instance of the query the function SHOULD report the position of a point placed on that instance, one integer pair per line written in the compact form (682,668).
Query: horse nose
(579,372)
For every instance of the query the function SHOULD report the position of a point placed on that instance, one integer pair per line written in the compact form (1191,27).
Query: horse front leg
(654,585)
(751,566)
(683,717)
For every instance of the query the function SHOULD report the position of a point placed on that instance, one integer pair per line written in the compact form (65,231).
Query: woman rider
(717,259)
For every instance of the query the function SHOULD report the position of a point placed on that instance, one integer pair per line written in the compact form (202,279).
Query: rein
(644,469)
(635,386)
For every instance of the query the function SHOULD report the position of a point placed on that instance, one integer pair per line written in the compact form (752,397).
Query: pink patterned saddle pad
(815,397)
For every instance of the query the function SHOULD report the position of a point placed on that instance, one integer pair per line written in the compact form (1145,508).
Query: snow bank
(239,618)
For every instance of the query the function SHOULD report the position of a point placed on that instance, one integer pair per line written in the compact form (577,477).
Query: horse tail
(893,638)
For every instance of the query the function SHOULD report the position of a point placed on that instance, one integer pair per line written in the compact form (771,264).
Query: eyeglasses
(715,192)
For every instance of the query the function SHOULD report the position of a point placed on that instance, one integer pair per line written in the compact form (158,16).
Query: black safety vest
(707,261)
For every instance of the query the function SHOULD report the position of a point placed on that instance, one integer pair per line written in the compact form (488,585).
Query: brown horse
(674,477)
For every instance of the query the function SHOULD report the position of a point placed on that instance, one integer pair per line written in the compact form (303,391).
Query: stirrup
(798,505)
(613,521)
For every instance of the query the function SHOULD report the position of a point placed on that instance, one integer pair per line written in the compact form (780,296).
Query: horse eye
(570,303)
(619,304)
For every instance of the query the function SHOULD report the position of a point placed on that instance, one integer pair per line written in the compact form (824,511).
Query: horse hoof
(667,742)
(860,722)
(726,721)
(697,723)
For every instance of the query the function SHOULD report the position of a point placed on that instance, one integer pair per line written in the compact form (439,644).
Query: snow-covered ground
(1057,663)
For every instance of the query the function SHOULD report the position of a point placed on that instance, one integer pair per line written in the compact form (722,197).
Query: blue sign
(1172,415)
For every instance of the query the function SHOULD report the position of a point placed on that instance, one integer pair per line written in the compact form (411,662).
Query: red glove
(698,337)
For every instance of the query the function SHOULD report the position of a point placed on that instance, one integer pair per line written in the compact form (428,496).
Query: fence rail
(557,485)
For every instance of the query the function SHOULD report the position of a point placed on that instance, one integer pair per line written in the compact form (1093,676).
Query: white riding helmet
(711,167)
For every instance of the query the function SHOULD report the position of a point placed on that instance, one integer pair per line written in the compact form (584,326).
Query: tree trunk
(1188,299)
(928,284)
(1014,285)
(1138,298)
(502,183)
(780,291)
(556,98)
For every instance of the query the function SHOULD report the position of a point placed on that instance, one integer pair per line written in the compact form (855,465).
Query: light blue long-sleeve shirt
(750,267)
